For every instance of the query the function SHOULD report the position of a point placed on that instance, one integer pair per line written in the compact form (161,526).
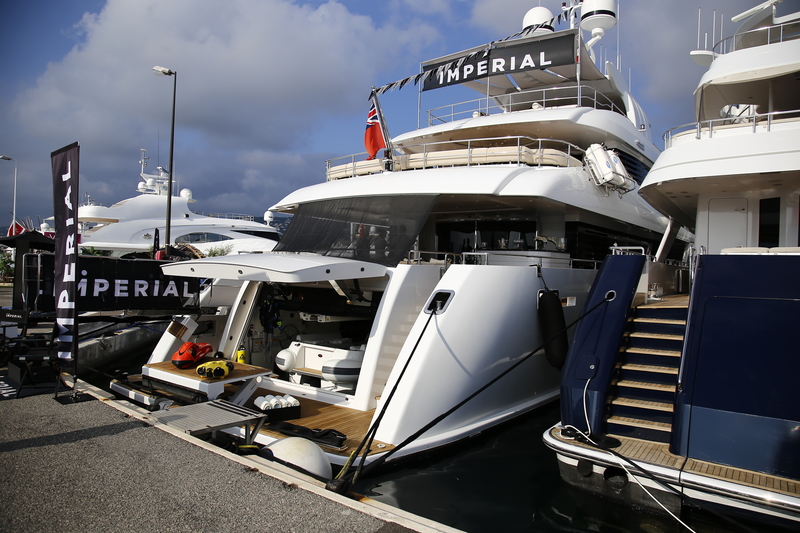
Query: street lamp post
(163,71)
(14,209)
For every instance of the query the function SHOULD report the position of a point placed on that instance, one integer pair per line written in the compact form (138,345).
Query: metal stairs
(643,389)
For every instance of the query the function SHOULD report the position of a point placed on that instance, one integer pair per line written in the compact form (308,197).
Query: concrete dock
(101,465)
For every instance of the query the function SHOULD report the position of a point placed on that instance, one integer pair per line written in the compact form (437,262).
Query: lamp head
(6,158)
(163,71)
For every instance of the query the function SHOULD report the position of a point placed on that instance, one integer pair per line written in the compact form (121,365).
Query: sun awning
(276,267)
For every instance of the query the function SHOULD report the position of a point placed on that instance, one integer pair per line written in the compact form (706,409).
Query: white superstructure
(733,176)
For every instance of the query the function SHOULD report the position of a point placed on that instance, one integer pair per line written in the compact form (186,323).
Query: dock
(98,465)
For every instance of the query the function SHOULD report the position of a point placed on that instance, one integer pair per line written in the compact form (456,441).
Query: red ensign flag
(373,136)
(15,229)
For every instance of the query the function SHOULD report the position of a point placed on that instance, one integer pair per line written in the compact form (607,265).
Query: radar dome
(598,14)
(186,193)
(268,216)
(141,187)
(151,183)
(536,16)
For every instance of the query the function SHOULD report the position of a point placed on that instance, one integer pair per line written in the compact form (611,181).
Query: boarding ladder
(646,377)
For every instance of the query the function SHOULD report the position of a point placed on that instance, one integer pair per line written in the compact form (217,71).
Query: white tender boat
(406,284)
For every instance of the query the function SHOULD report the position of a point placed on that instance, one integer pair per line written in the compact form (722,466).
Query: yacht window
(471,235)
(378,229)
(259,233)
(200,237)
(590,242)
(769,222)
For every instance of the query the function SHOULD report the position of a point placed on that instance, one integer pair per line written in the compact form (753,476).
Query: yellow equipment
(215,369)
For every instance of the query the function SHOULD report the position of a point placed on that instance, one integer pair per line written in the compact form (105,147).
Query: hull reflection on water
(508,480)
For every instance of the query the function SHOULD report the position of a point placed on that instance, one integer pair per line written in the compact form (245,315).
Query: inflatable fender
(299,453)
(286,359)
(554,328)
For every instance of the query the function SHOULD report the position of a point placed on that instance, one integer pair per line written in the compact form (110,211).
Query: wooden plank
(650,368)
(645,385)
(643,404)
(662,336)
(240,371)
(651,351)
(745,477)
(670,321)
(647,424)
(671,301)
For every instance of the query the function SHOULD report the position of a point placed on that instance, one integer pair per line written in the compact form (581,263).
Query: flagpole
(384,129)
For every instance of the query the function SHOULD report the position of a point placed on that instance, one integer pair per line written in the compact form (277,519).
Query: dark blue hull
(714,396)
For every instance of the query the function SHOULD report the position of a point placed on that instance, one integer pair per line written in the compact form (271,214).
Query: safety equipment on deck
(606,169)
(215,369)
(190,353)
(241,354)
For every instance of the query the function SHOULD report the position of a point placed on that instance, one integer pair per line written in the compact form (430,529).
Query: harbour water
(508,480)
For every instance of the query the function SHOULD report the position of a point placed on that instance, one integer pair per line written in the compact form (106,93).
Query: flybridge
(508,58)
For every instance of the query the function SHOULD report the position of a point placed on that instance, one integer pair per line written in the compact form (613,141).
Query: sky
(268,90)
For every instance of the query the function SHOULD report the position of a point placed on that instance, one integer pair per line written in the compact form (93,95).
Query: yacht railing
(521,150)
(518,149)
(228,216)
(759,37)
(485,258)
(628,250)
(641,250)
(757,122)
(416,257)
(548,98)
(446,259)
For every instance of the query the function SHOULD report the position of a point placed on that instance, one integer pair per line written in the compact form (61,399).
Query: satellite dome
(268,216)
(186,193)
(539,15)
(141,187)
(598,14)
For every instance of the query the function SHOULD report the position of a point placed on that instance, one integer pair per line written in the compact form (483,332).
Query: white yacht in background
(129,226)
(405,284)
(697,396)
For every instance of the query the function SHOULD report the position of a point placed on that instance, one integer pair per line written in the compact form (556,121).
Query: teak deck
(320,415)
(314,414)
(672,300)
(658,454)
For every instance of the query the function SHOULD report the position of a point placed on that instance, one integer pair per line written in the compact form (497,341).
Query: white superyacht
(408,283)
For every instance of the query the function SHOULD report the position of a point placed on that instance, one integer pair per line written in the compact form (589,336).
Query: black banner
(112,284)
(65,208)
(529,55)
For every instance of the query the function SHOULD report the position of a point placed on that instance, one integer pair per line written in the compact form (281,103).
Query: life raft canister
(554,328)
(190,353)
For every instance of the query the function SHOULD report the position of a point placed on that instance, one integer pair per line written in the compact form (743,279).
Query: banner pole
(66,171)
